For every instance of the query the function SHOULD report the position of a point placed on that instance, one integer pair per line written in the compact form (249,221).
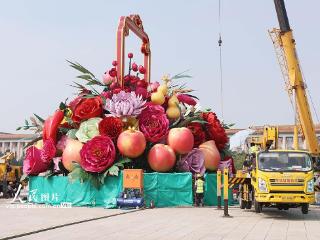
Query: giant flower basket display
(124,120)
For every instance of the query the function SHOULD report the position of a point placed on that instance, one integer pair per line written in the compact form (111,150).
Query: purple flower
(125,104)
(192,162)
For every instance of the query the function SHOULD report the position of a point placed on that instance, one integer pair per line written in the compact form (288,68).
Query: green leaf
(181,76)
(200,121)
(72,133)
(39,118)
(80,68)
(18,128)
(62,106)
(75,174)
(89,96)
(114,170)
(85,77)
(124,160)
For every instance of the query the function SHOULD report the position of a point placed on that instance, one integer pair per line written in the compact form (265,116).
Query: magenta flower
(48,151)
(37,161)
(32,164)
(97,154)
(153,123)
(192,162)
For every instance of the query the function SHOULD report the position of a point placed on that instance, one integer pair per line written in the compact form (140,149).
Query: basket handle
(133,23)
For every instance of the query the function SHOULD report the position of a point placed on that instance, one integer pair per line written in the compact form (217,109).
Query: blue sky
(38,36)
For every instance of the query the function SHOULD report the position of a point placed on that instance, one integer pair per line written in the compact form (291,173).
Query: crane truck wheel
(242,203)
(249,205)
(257,207)
(305,208)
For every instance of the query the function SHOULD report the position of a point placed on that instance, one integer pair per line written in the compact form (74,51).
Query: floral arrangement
(107,127)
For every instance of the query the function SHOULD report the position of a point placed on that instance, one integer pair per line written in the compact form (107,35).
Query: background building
(15,143)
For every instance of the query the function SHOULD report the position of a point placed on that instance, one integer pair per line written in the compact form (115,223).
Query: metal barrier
(225,191)
(219,188)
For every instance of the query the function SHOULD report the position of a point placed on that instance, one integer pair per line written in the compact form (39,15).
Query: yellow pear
(173,112)
(163,88)
(173,101)
(158,98)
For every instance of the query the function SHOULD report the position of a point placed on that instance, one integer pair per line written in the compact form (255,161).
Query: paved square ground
(162,223)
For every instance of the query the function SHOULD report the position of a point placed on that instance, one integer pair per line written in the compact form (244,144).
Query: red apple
(181,140)
(71,153)
(211,155)
(131,143)
(161,158)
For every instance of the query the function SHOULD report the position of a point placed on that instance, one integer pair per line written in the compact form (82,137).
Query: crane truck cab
(283,179)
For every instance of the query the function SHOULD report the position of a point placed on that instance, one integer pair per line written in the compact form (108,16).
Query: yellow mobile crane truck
(283,178)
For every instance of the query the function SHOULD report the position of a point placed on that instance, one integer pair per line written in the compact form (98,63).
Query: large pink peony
(97,154)
(38,160)
(153,122)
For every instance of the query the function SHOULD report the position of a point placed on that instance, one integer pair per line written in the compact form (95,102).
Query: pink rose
(107,79)
(153,123)
(98,154)
(154,86)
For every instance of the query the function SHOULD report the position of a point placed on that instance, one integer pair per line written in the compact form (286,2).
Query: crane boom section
(295,78)
(298,86)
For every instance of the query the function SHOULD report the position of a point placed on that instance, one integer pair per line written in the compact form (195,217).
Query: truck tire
(257,207)
(242,203)
(249,205)
(305,208)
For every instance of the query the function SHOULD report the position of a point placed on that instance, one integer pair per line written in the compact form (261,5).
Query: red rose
(198,133)
(85,108)
(111,127)
(215,131)
(97,154)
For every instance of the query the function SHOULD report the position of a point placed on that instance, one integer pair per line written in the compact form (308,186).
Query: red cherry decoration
(134,67)
(113,72)
(142,69)
(114,85)
(114,63)
(130,55)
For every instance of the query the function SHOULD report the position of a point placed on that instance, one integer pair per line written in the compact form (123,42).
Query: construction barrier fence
(165,189)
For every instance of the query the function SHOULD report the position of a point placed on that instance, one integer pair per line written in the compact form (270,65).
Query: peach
(211,155)
(131,143)
(181,140)
(71,153)
(161,158)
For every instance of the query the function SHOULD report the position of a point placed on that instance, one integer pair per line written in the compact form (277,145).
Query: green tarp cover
(165,189)
(210,194)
